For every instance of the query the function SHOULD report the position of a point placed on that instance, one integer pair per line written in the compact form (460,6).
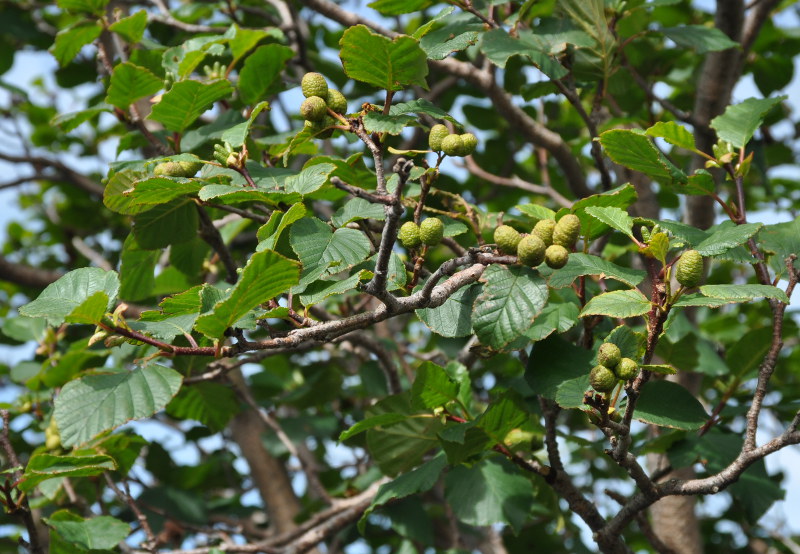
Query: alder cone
(313,108)
(431,231)
(609,355)
(602,379)
(409,235)
(336,101)
(169,169)
(470,143)
(627,369)
(452,145)
(507,239)
(436,136)
(567,230)
(690,269)
(314,84)
(530,251)
(544,230)
(556,256)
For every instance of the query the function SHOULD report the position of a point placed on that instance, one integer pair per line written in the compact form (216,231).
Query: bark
(269,475)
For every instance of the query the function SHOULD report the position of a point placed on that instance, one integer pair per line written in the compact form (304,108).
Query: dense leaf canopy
(216,341)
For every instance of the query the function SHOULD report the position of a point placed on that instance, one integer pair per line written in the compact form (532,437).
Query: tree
(583,325)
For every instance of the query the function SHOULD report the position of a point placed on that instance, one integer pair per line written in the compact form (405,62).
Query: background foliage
(304,380)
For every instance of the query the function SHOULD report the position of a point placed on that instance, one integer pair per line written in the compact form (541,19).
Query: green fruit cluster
(452,144)
(319,99)
(549,242)
(430,233)
(689,271)
(611,367)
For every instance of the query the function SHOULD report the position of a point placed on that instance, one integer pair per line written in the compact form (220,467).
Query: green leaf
(555,361)
(91,310)
(318,291)
(454,317)
(237,134)
(492,491)
(318,248)
(387,64)
(401,446)
(701,183)
(620,197)
(131,28)
(458,33)
(420,106)
(673,133)
(748,352)
(688,233)
(698,300)
(70,41)
(668,404)
(309,180)
(212,404)
(740,121)
(635,151)
(150,192)
(265,276)
(560,317)
(186,101)
(269,233)
(101,532)
(93,404)
(432,387)
(536,211)
(375,122)
(70,121)
(115,196)
(94,7)
(618,303)
(357,209)
(43,466)
(61,298)
(499,46)
(136,270)
(580,264)
(744,291)
(244,40)
(511,299)
(23,329)
(726,237)
(662,369)
(416,481)
(658,247)
(178,313)
(779,241)
(129,83)
(166,224)
(570,393)
(630,343)
(370,423)
(399,7)
(702,39)
(260,75)
(614,217)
